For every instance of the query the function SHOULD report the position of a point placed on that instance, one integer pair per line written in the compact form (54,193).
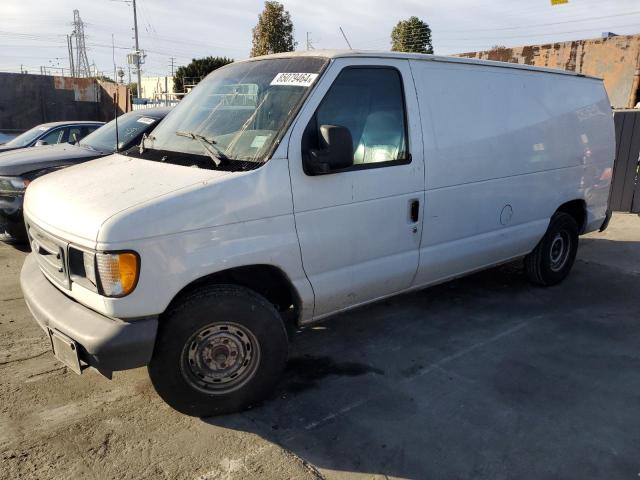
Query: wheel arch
(577,209)
(267,280)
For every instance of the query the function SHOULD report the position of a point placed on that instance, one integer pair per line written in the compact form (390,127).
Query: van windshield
(238,113)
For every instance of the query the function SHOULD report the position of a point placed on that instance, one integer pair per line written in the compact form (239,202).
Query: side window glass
(53,137)
(75,134)
(369,102)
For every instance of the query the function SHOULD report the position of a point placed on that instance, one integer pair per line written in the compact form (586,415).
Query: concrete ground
(484,377)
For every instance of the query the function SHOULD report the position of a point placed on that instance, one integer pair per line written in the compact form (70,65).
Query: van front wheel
(550,262)
(220,350)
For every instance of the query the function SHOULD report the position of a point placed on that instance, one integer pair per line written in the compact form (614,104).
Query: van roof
(416,56)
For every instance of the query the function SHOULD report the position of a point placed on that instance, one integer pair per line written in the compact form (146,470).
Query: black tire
(551,261)
(193,349)
(13,232)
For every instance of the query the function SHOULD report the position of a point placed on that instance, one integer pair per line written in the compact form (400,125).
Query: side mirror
(336,152)
(40,143)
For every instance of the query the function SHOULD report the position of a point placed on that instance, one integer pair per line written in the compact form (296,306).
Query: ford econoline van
(287,188)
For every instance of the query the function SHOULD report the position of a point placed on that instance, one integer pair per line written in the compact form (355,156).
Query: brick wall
(614,59)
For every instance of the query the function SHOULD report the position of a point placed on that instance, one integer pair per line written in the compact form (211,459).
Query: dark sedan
(51,134)
(18,168)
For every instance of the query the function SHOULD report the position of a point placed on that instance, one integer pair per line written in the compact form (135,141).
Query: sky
(32,32)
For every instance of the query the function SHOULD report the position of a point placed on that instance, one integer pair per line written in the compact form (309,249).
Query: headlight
(89,263)
(19,183)
(117,272)
(13,185)
(113,274)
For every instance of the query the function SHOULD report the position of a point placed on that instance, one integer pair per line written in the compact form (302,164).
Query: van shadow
(454,381)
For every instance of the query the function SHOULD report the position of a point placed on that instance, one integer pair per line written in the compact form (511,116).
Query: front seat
(382,138)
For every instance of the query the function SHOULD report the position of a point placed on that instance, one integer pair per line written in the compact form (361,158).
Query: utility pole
(70,48)
(135,27)
(173,59)
(309,44)
(113,57)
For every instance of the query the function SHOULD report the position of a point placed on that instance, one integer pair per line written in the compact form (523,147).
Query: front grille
(51,254)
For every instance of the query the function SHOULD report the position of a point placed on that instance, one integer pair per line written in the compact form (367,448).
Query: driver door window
(369,102)
(53,137)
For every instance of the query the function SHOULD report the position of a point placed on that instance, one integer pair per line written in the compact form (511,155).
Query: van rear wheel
(551,261)
(219,350)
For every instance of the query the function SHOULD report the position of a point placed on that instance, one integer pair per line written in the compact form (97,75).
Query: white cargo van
(287,188)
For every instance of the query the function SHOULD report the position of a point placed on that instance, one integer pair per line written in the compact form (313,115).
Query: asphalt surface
(486,377)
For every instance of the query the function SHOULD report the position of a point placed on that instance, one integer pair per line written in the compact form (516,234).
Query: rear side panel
(504,149)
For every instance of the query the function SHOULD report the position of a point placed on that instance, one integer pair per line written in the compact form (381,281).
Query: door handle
(415,211)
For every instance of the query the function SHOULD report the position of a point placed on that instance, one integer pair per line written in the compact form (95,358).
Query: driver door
(360,227)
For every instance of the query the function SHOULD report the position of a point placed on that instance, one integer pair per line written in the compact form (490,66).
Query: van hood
(24,160)
(75,202)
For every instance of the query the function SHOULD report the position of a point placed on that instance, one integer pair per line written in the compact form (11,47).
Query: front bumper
(104,343)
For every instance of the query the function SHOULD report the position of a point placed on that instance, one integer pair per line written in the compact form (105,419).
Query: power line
(563,32)
(147,19)
(418,39)
(56,38)
(440,32)
(602,17)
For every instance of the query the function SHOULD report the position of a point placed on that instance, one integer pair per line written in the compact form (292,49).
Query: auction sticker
(294,79)
(146,120)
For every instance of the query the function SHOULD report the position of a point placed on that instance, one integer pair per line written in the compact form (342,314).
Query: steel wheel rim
(559,251)
(220,358)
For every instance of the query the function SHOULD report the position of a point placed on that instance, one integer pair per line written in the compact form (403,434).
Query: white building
(156,88)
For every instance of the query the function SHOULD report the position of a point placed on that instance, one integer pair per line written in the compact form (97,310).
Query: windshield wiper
(210,146)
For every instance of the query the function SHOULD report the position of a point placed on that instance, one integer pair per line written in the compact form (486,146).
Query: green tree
(198,68)
(133,89)
(274,31)
(412,35)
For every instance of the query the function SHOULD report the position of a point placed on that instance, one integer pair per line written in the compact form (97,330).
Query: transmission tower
(81,64)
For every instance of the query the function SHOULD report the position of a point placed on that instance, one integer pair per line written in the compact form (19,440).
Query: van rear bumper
(104,343)
(607,219)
